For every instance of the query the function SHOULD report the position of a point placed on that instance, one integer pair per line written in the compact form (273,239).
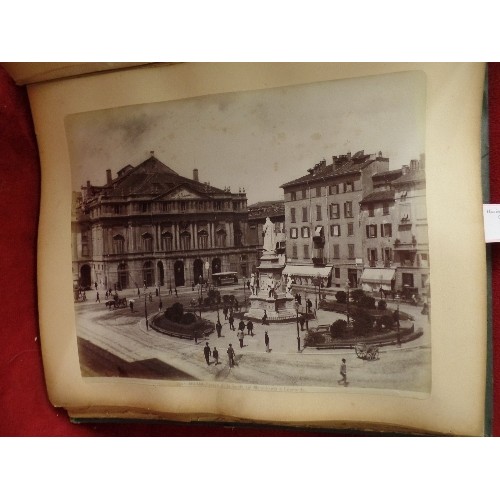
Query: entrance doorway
(148,273)
(197,271)
(179,273)
(123,276)
(161,273)
(85,277)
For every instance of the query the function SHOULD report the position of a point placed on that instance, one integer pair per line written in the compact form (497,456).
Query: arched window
(147,242)
(203,239)
(220,238)
(118,244)
(168,241)
(185,241)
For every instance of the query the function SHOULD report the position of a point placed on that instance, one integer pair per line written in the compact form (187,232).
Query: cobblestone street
(116,343)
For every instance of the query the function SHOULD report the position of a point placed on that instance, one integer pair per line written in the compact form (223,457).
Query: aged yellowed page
(453,402)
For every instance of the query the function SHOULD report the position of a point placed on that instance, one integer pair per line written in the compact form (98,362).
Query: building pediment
(182,193)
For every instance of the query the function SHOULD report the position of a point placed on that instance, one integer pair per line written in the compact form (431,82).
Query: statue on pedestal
(269,236)
(289,286)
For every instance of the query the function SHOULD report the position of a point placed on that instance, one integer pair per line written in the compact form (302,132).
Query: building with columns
(150,225)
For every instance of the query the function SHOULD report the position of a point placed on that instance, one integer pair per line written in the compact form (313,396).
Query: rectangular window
(292,214)
(424,260)
(335,230)
(85,250)
(386,230)
(371,231)
(348,209)
(385,209)
(336,251)
(334,211)
(306,251)
(371,211)
(294,251)
(304,214)
(350,229)
(293,196)
(318,212)
(337,272)
(305,232)
(144,207)
(424,280)
(304,194)
(350,250)
(334,189)
(294,232)
(348,187)
(372,256)
(148,244)
(318,192)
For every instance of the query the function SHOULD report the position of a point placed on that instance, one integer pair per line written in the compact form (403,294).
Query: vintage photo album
(297,245)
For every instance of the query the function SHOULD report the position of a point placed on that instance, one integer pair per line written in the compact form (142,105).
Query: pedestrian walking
(84,297)
(218,328)
(302,320)
(241,336)
(195,337)
(343,373)
(264,318)
(250,327)
(160,306)
(241,325)
(95,285)
(207,352)
(230,355)
(236,305)
(224,311)
(231,322)
(131,305)
(266,340)
(176,294)
(215,355)
(150,297)
(97,299)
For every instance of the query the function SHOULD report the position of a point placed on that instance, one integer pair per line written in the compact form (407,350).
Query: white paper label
(491,216)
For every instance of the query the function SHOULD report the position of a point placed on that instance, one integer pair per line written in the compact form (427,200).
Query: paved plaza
(116,342)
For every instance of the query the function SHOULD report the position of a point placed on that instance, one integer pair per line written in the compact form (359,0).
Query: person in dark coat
(224,311)
(231,321)
(215,354)
(266,341)
(218,328)
(230,355)
(264,318)
(207,352)
(241,326)
(250,327)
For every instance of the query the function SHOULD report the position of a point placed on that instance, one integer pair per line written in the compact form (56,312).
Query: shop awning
(312,271)
(374,275)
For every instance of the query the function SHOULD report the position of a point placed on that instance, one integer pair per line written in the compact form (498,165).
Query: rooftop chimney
(195,174)
(108,176)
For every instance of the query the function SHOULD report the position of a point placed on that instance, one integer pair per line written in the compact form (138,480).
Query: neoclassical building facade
(151,226)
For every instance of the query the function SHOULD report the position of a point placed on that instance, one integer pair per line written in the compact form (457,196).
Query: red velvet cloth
(24,407)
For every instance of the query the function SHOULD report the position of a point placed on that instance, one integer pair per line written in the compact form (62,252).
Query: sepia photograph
(272,237)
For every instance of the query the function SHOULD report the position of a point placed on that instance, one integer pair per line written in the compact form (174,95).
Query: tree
(341,297)
(356,295)
(338,328)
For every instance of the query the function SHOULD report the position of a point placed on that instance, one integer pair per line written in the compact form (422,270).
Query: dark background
(24,407)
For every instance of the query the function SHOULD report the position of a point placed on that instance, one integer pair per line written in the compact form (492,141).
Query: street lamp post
(200,283)
(318,282)
(347,302)
(398,333)
(146,310)
(296,306)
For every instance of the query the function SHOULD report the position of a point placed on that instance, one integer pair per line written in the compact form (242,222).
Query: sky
(256,140)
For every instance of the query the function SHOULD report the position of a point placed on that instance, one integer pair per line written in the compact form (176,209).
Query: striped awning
(312,271)
(377,275)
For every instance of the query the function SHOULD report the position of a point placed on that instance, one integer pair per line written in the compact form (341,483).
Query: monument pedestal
(269,297)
